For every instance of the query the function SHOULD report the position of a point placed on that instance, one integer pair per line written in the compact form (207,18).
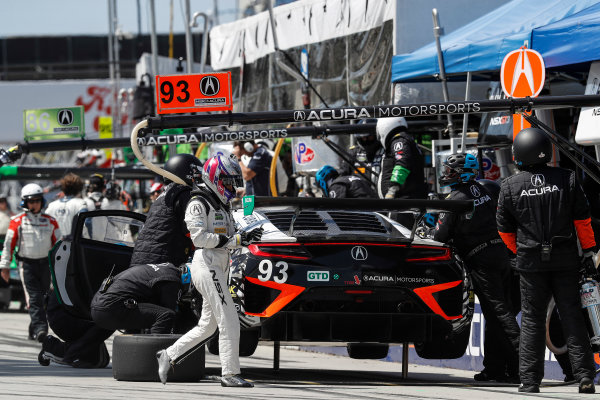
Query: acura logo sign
(359,253)
(65,117)
(299,115)
(538,180)
(209,85)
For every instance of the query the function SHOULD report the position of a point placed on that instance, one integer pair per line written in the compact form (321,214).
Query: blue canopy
(572,40)
(482,44)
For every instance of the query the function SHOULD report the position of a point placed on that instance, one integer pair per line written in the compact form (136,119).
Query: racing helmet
(459,168)
(531,147)
(112,191)
(385,126)
(223,175)
(32,191)
(491,186)
(183,166)
(96,183)
(324,175)
(156,187)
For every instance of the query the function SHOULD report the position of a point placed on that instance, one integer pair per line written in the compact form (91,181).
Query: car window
(112,229)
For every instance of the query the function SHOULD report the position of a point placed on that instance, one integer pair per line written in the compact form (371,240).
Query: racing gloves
(391,192)
(240,239)
(252,236)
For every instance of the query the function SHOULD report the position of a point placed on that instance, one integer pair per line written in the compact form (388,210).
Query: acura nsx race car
(319,274)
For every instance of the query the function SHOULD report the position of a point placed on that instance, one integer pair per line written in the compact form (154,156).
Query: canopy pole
(437,32)
(465,115)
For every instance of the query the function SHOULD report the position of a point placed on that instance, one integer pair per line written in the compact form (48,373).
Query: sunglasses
(33,200)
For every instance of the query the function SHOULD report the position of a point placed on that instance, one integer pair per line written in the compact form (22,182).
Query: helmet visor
(234,181)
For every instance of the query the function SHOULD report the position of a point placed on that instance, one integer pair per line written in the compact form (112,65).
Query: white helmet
(31,191)
(221,171)
(386,125)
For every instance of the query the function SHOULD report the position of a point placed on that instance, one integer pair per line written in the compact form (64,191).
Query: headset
(249,146)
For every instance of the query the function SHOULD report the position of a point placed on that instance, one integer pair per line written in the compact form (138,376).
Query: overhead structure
(481,45)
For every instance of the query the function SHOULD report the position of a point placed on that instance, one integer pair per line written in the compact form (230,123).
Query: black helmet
(491,186)
(530,147)
(459,168)
(112,191)
(181,165)
(96,183)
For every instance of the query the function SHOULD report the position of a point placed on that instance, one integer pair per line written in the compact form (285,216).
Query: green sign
(54,123)
(248,203)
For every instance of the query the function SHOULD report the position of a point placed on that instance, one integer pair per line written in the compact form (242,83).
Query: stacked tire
(134,359)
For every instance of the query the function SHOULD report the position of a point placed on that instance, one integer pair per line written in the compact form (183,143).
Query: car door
(101,244)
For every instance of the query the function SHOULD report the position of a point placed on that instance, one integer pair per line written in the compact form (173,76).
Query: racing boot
(529,388)
(235,381)
(164,363)
(586,385)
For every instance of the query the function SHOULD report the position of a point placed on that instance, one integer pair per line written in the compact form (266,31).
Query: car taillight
(426,294)
(427,253)
(293,251)
(286,294)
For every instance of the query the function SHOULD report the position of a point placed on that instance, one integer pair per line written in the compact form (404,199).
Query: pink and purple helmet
(221,172)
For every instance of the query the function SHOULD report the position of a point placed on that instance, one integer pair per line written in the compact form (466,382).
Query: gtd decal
(304,154)
(317,276)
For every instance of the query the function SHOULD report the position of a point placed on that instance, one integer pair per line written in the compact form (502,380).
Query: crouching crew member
(479,245)
(141,297)
(340,187)
(541,212)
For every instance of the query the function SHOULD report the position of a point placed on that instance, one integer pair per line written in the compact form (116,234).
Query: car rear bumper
(354,327)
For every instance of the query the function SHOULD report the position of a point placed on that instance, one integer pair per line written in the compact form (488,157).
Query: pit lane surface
(303,375)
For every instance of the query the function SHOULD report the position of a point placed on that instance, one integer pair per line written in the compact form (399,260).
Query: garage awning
(481,45)
(572,40)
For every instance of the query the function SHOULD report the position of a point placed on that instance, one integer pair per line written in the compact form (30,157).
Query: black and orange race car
(326,270)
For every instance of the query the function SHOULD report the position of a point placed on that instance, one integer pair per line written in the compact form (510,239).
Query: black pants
(143,316)
(536,290)
(36,278)
(490,271)
(83,339)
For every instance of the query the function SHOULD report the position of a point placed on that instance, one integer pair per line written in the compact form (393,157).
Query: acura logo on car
(359,253)
(299,115)
(475,191)
(538,180)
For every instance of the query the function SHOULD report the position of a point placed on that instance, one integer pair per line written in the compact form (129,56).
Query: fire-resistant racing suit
(540,210)
(212,231)
(350,187)
(34,235)
(486,258)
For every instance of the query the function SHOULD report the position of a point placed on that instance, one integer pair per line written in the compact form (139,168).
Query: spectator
(155,190)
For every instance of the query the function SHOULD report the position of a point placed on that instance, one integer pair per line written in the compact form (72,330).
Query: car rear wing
(417,206)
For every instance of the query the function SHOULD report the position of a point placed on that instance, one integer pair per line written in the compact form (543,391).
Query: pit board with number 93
(193,93)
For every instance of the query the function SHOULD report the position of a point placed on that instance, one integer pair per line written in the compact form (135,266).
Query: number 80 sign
(193,93)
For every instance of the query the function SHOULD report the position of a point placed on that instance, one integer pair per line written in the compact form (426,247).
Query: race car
(323,274)
(324,271)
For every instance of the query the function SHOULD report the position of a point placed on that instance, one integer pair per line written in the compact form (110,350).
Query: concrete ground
(302,375)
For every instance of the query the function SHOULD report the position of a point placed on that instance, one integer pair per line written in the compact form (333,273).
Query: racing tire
(452,347)
(248,343)
(134,359)
(367,351)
